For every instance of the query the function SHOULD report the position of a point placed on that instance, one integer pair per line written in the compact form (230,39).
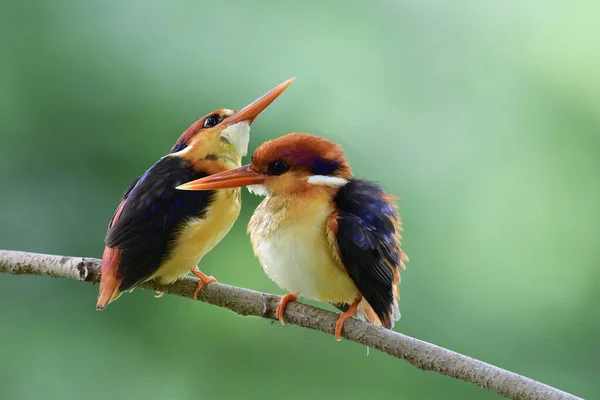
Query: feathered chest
(290,240)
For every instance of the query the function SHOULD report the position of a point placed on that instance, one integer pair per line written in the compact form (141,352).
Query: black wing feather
(153,212)
(367,243)
(125,196)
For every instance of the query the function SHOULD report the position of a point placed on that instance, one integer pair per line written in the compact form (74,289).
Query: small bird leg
(339,325)
(159,294)
(282,304)
(204,280)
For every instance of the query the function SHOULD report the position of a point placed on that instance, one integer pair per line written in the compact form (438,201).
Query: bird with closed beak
(162,233)
(320,232)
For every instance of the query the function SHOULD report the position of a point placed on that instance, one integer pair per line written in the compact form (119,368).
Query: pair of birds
(319,233)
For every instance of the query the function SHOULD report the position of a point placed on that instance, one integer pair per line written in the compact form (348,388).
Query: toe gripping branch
(204,280)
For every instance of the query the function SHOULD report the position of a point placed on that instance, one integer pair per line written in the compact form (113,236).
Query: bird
(161,233)
(320,232)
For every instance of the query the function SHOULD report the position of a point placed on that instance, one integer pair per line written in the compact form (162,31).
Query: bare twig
(423,355)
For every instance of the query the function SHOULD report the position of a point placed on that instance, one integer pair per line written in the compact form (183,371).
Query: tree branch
(423,355)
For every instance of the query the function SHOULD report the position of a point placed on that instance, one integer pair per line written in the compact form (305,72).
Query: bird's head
(290,165)
(224,134)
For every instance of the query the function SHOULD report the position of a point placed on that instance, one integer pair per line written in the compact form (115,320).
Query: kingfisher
(320,232)
(162,233)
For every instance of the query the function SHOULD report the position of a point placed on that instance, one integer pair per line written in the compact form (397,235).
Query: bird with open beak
(162,233)
(320,232)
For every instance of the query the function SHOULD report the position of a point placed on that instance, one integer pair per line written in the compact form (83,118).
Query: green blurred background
(482,116)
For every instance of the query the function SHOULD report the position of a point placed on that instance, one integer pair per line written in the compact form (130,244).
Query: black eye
(211,120)
(278,167)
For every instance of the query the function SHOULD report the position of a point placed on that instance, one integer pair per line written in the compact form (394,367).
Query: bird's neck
(212,165)
(230,160)
(277,211)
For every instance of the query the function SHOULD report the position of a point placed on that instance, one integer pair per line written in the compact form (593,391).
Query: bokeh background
(482,116)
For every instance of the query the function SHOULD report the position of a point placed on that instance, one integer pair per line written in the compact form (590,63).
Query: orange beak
(233,178)
(251,111)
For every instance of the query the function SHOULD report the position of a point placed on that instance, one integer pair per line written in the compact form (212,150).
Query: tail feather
(366,312)
(396,291)
(109,283)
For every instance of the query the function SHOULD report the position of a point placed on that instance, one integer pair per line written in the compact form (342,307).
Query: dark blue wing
(152,213)
(367,241)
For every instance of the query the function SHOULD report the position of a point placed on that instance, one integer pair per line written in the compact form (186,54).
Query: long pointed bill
(226,180)
(251,111)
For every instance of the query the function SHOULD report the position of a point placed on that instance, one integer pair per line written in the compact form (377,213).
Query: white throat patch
(327,181)
(239,136)
(258,190)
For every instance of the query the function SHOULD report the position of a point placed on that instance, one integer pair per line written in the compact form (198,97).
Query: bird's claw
(339,325)
(282,304)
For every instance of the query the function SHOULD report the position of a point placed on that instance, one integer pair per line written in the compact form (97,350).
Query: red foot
(339,325)
(204,280)
(159,295)
(282,304)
